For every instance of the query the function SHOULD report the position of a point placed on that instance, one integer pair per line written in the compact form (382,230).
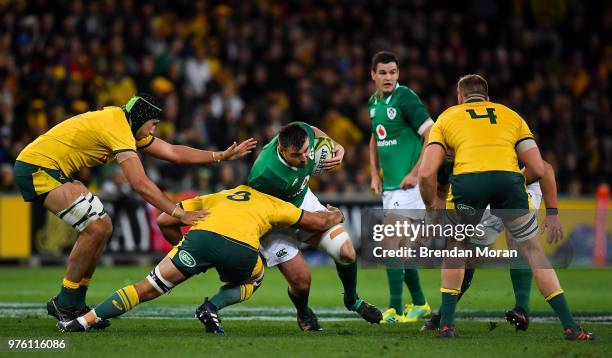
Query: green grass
(183,338)
(589,293)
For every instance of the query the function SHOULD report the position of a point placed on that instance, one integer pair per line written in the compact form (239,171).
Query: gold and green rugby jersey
(242,214)
(85,140)
(483,136)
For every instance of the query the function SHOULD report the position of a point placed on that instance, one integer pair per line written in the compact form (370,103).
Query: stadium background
(230,70)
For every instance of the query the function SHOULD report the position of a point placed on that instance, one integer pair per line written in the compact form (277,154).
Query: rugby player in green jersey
(283,169)
(399,125)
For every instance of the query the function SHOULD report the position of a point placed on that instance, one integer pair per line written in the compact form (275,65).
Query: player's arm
(549,195)
(170,227)
(134,172)
(375,180)
(528,153)
(182,154)
(338,150)
(320,220)
(428,173)
(411,179)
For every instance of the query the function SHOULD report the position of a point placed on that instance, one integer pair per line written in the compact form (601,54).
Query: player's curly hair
(292,135)
(141,108)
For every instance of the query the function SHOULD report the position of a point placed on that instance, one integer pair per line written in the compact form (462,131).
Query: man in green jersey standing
(283,169)
(400,123)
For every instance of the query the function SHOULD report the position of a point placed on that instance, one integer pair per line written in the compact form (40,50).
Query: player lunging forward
(44,168)
(227,240)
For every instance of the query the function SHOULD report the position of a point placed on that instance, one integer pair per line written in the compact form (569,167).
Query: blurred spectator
(228,70)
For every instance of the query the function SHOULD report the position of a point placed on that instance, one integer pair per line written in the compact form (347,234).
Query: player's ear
(372,74)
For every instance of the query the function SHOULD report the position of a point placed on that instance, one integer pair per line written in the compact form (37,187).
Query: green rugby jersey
(396,120)
(270,173)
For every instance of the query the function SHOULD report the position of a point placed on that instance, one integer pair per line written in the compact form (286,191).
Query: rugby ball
(323,150)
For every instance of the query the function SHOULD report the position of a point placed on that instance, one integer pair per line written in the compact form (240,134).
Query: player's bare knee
(347,253)
(100,230)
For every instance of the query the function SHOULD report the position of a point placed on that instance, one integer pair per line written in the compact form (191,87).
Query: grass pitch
(265,325)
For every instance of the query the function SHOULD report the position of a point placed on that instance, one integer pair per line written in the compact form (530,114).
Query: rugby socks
(70,296)
(300,303)
(118,303)
(82,290)
(449,304)
(395,278)
(348,276)
(411,278)
(521,283)
(558,303)
(231,294)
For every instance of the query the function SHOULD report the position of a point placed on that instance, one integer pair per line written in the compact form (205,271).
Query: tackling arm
(135,175)
(320,220)
(182,154)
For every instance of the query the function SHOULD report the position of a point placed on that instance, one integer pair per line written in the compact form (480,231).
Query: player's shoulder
(449,113)
(502,108)
(406,93)
(372,99)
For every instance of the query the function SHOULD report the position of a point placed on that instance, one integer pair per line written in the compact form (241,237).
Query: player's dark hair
(292,135)
(473,86)
(383,57)
(141,108)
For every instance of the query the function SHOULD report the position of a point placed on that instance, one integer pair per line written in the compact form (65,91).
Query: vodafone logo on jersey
(381,131)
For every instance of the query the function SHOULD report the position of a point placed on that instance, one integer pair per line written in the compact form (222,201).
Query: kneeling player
(228,240)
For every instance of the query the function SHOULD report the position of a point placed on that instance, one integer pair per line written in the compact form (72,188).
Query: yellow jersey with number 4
(242,214)
(85,140)
(483,135)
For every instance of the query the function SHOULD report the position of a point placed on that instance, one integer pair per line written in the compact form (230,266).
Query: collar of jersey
(280,157)
(472,100)
(389,96)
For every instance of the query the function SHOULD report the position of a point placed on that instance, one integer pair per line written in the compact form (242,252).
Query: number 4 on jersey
(490,114)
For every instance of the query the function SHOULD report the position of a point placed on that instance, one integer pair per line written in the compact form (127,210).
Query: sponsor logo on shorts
(466,209)
(187,259)
(280,253)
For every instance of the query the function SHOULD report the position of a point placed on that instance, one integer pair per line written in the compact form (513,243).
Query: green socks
(300,303)
(521,283)
(118,303)
(411,278)
(559,305)
(449,304)
(395,278)
(70,295)
(348,276)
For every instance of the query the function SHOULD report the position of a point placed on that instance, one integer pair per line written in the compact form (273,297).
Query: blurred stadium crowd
(229,70)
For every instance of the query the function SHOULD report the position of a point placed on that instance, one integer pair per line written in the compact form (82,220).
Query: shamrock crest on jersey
(397,118)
